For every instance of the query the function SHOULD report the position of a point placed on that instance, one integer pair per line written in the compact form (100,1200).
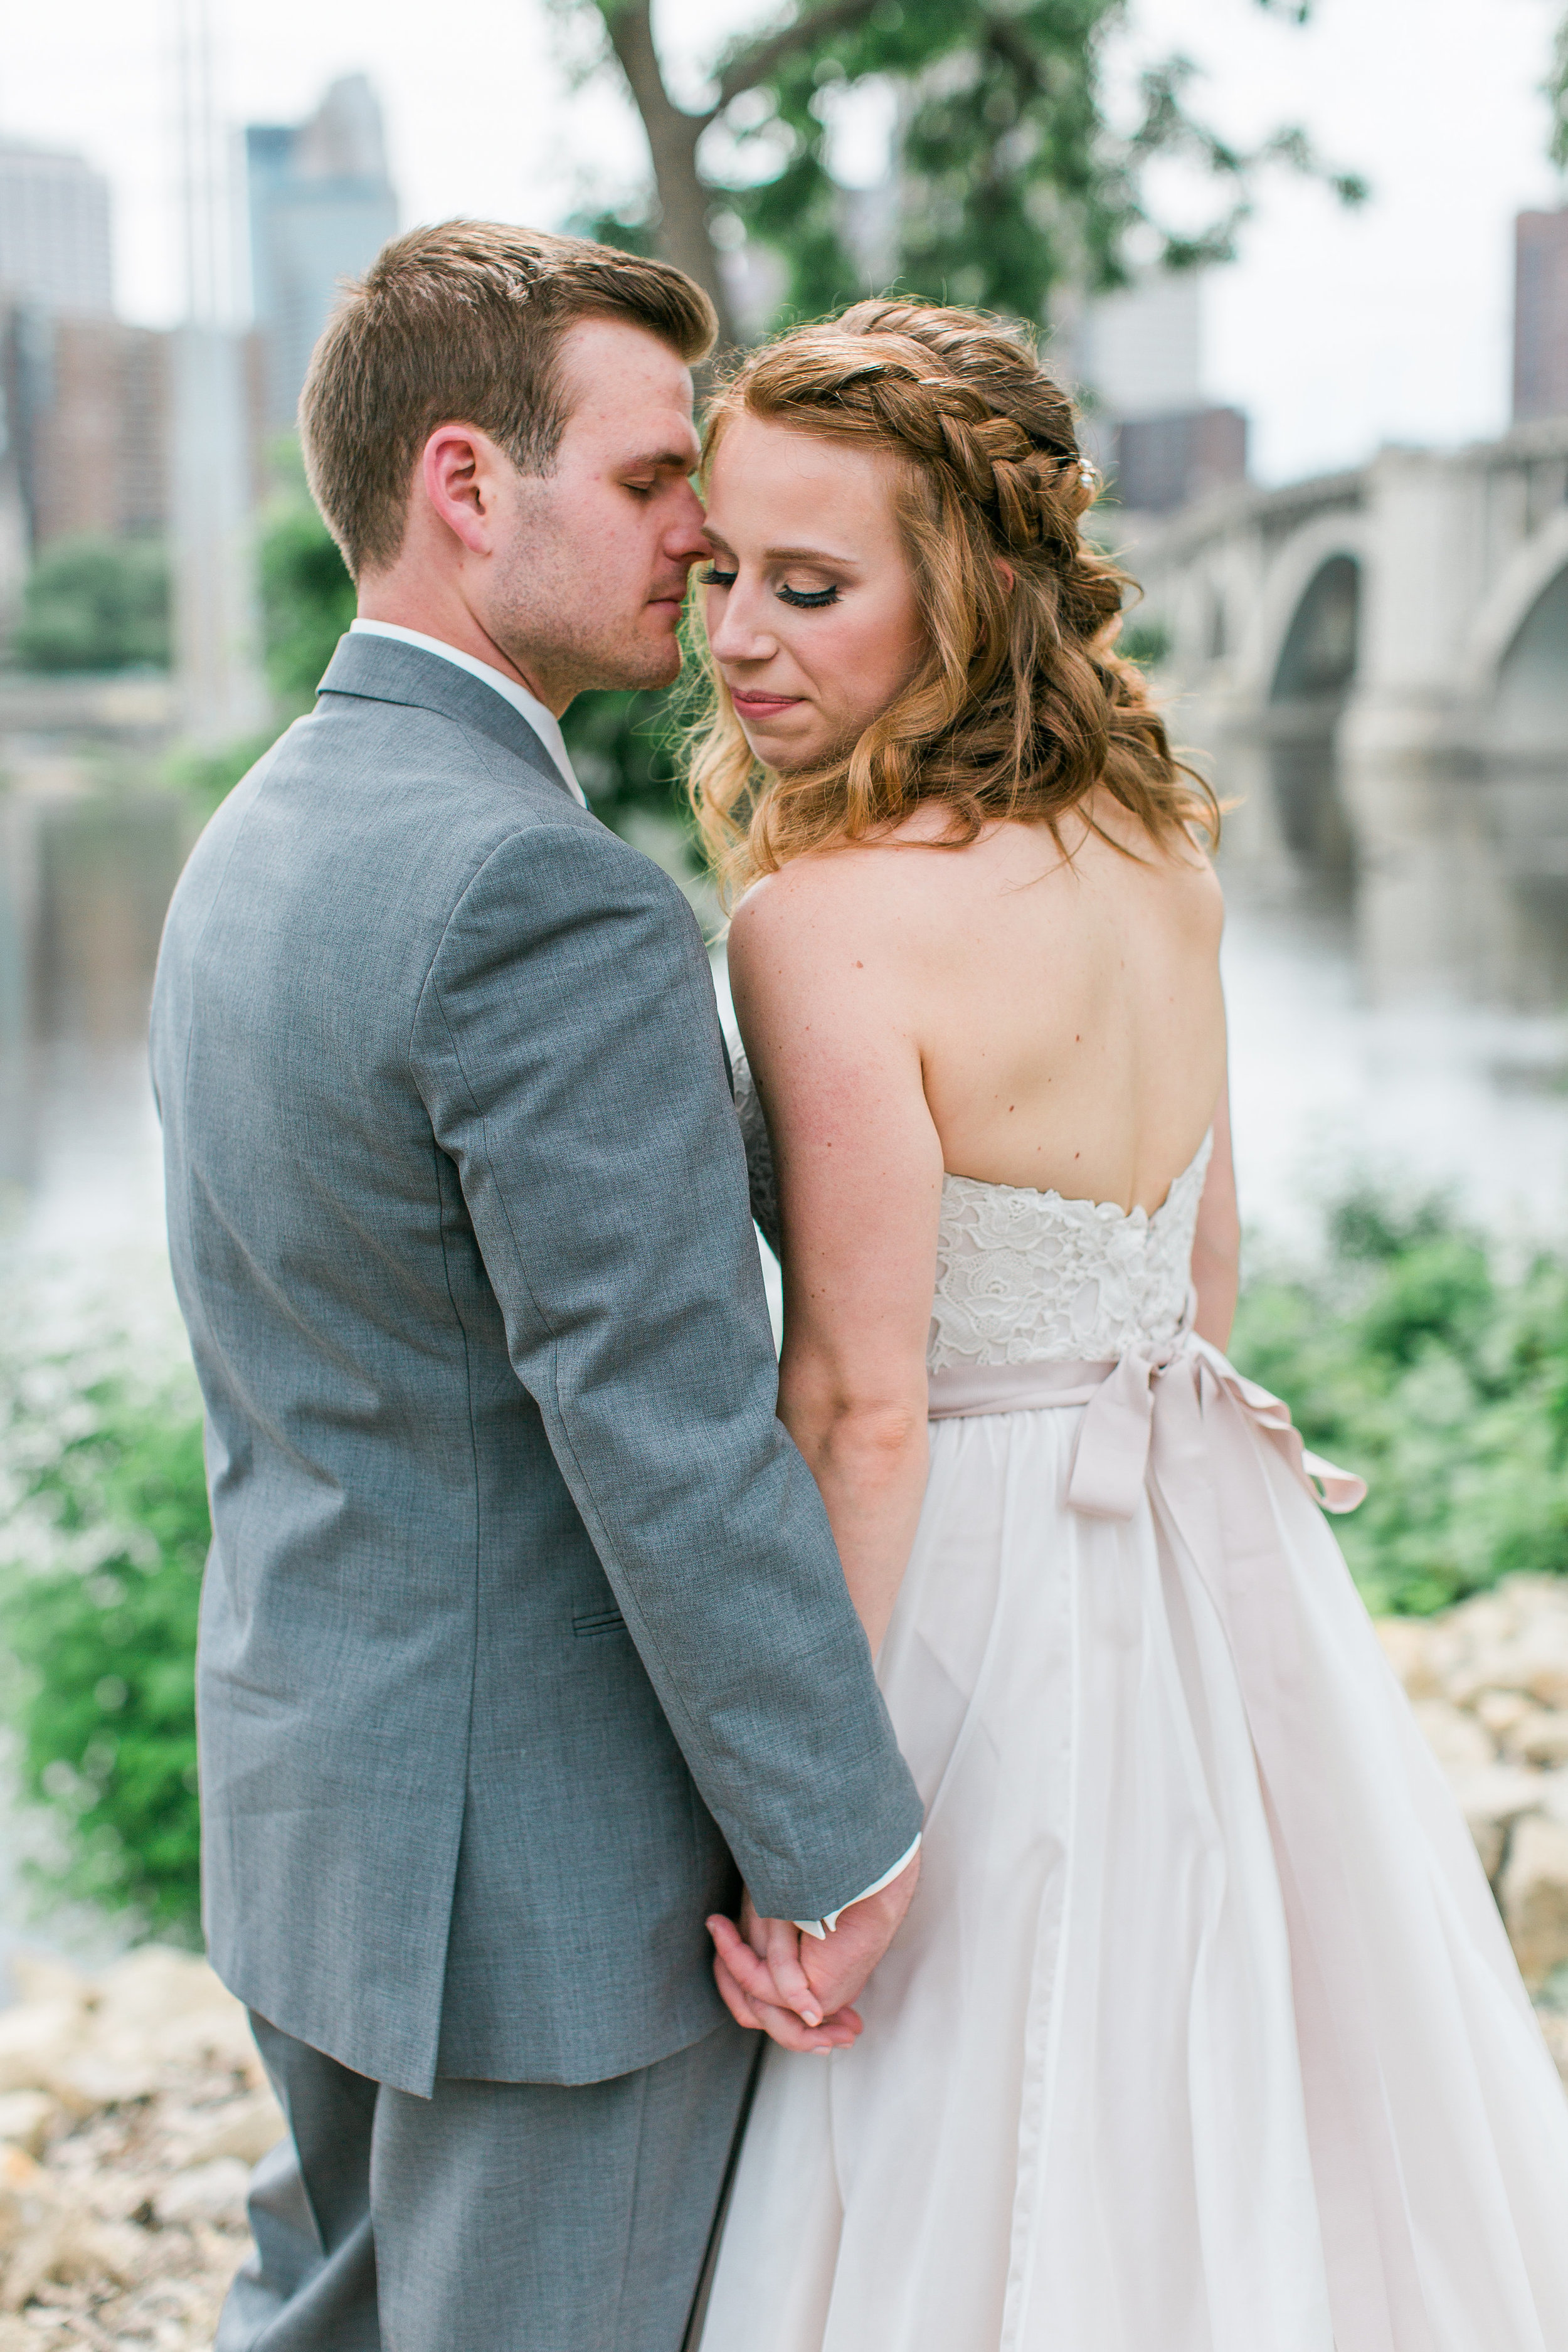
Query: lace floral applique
(1026,1277)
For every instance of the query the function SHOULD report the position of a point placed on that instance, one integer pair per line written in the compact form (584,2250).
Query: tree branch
(755,66)
(672,137)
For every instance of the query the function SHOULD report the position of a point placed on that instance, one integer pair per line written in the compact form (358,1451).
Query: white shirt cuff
(821,1927)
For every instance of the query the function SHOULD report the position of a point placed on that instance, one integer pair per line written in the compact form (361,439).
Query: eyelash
(807,600)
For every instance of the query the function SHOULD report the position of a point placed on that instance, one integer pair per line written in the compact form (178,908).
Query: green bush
(307,597)
(103,1636)
(95,604)
(1409,1358)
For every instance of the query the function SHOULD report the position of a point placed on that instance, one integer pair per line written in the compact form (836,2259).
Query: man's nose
(685,540)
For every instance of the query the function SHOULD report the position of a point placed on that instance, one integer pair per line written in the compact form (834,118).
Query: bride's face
(810,606)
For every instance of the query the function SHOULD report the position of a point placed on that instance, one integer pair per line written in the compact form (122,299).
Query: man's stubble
(562,624)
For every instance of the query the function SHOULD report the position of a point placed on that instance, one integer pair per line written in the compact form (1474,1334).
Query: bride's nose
(738,631)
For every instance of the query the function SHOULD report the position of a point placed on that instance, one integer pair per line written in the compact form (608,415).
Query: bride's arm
(816,982)
(1216,1244)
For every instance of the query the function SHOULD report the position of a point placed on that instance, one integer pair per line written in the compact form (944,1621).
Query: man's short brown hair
(462,323)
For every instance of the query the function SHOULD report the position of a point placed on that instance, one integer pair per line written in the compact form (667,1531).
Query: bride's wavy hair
(1021,706)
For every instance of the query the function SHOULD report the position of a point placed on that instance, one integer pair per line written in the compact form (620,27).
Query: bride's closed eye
(807,599)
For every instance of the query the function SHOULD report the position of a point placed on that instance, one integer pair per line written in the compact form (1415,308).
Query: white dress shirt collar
(544,723)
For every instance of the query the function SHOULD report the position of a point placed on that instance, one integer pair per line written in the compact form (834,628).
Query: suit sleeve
(568,1049)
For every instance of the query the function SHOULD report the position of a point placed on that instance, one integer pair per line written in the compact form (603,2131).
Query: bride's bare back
(1071,1022)
(1063,1001)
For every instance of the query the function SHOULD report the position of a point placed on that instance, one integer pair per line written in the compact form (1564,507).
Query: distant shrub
(103,1635)
(307,597)
(1408,1358)
(95,604)
(209,776)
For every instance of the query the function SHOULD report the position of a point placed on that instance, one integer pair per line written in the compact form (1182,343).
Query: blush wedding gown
(1202,2033)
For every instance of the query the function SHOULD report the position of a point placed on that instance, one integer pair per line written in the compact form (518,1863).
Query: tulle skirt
(1079,2118)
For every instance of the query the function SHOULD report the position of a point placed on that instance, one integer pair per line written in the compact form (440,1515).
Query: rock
(39,1975)
(1555,2026)
(149,1988)
(209,2192)
(1408,1645)
(1542,1737)
(38,2041)
(1454,1736)
(1502,1712)
(1491,1797)
(25,2117)
(244,2128)
(1533,1895)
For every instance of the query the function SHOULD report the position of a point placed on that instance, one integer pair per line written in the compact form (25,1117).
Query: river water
(1326,1088)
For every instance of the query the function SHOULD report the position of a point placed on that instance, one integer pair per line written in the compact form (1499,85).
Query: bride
(1202,2033)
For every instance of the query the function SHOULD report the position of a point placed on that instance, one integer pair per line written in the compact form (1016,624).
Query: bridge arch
(1313,634)
(1292,567)
(1509,604)
(1522,738)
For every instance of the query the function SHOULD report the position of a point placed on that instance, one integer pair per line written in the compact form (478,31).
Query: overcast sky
(1335,332)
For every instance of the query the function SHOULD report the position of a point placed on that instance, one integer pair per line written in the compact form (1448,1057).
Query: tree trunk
(672,137)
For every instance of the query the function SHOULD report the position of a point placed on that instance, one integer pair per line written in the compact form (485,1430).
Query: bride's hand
(758,1971)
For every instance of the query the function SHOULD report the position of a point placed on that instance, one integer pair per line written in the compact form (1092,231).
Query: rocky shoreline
(132,2104)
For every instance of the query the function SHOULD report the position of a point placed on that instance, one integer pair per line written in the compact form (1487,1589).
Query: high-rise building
(54,232)
(322,207)
(1139,354)
(87,400)
(1540,315)
(1165,462)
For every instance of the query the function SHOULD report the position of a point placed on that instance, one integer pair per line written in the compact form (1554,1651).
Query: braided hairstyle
(1021,708)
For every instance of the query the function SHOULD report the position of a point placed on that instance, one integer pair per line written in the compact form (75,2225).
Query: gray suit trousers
(491,2217)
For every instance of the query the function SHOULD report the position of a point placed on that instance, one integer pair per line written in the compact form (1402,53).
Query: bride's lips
(762,705)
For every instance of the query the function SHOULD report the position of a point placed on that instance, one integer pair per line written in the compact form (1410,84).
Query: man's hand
(757,1969)
(803,1983)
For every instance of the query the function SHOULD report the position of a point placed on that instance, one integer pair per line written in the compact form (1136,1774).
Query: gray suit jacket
(522,1615)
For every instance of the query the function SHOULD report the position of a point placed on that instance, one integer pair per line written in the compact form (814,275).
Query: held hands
(799,1989)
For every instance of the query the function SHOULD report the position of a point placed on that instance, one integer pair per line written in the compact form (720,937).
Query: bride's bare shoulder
(854,886)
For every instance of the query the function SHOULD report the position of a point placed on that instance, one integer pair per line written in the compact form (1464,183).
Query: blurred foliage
(1016,170)
(95,604)
(1556,89)
(306,598)
(1145,641)
(1409,1358)
(210,776)
(625,751)
(104,1641)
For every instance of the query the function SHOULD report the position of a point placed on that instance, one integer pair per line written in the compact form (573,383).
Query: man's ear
(461,469)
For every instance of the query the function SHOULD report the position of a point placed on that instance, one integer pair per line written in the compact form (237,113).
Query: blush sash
(1185,1427)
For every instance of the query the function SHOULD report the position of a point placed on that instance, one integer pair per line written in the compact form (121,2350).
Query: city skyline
(1334,332)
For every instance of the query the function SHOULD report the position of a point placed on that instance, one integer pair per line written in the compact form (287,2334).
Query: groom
(523,1637)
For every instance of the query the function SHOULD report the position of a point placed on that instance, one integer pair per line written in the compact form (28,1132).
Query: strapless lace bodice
(1029,1278)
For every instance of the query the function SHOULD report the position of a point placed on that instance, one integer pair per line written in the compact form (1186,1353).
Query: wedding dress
(1202,2033)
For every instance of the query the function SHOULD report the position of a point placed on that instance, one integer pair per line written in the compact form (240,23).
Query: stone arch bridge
(1376,665)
